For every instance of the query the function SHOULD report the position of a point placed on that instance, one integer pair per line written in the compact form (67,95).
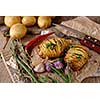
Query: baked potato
(77,56)
(53,47)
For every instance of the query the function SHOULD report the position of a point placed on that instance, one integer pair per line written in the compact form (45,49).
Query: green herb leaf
(68,76)
(72,46)
(78,56)
(50,45)
(53,80)
(65,79)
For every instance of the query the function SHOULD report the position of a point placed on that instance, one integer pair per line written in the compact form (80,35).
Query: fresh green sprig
(78,56)
(65,79)
(53,80)
(21,62)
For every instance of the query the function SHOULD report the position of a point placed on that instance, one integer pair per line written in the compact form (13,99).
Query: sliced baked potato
(53,47)
(77,56)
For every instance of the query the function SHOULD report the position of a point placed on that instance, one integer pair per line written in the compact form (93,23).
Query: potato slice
(77,56)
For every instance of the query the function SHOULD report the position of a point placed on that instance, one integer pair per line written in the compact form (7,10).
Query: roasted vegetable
(28,20)
(53,47)
(18,31)
(77,56)
(44,21)
(11,20)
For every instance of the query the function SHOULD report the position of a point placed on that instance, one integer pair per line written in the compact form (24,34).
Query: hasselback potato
(77,56)
(53,47)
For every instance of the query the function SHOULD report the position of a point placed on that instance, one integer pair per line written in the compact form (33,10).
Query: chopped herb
(78,56)
(72,46)
(50,45)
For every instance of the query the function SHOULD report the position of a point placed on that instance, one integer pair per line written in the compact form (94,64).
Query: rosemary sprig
(22,63)
(24,66)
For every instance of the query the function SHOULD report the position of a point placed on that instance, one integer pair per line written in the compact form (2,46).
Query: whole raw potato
(11,20)
(44,21)
(18,31)
(28,20)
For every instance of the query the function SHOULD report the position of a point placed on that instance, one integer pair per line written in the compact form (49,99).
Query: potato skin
(11,20)
(77,56)
(28,20)
(44,22)
(18,31)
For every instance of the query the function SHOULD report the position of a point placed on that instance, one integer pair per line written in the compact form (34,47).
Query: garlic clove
(39,68)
